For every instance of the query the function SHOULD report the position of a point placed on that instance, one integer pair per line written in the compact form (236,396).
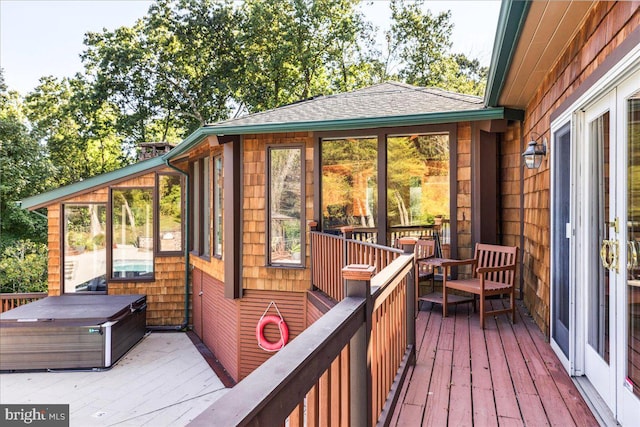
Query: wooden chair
(494,270)
(423,250)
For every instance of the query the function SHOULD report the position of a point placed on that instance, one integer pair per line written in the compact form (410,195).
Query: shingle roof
(387,99)
(389,104)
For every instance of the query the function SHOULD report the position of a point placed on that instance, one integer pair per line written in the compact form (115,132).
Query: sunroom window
(85,254)
(349,183)
(418,183)
(286,203)
(217,206)
(169,213)
(132,233)
(201,212)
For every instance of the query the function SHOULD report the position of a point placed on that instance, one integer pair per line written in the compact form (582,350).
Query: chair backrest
(425,248)
(497,256)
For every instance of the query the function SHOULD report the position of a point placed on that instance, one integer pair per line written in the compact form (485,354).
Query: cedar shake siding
(604,29)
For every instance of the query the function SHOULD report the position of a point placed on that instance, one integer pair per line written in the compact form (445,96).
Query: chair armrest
(424,258)
(454,263)
(482,270)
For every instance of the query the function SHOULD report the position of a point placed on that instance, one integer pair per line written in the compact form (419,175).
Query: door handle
(609,254)
(632,255)
(604,254)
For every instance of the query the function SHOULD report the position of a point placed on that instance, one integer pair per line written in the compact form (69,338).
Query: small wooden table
(436,297)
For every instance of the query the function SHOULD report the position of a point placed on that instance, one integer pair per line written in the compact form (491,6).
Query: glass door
(628,306)
(603,265)
(560,236)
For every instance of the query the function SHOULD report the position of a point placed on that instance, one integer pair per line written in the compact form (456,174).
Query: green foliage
(171,72)
(23,267)
(294,49)
(25,170)
(78,130)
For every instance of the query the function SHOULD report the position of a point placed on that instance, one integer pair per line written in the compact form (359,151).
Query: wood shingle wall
(255,274)
(604,29)
(465,250)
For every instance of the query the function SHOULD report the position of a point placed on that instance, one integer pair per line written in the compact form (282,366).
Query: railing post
(313,226)
(408,245)
(358,284)
(347,234)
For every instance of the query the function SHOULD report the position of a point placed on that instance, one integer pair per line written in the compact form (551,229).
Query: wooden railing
(330,253)
(345,369)
(11,300)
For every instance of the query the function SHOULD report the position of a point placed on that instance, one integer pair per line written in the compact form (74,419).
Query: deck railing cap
(358,272)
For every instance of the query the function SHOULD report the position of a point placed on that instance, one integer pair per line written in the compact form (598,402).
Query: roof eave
(44,199)
(513,14)
(343,124)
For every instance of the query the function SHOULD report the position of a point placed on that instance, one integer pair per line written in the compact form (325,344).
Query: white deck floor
(162,381)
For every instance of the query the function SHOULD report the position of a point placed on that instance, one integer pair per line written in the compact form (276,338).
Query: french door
(610,223)
(602,226)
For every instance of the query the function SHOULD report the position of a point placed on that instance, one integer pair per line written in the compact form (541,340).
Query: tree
(419,41)
(295,49)
(171,72)
(23,267)
(25,170)
(78,130)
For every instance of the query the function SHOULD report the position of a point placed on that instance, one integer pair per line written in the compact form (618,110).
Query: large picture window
(285,199)
(349,183)
(418,180)
(132,233)
(169,213)
(85,255)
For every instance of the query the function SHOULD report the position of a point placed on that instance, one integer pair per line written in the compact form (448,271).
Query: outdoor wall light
(535,151)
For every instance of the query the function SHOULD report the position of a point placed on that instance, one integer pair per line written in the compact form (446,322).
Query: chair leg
(513,307)
(444,300)
(481,312)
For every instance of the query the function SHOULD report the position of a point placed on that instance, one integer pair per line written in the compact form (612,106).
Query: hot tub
(71,332)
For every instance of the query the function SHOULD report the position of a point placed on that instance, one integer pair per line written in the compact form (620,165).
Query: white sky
(44,37)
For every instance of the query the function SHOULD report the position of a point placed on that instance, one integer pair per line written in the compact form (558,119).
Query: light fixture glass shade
(533,154)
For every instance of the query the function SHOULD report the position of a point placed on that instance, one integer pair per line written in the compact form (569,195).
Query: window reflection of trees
(285,198)
(349,182)
(418,188)
(132,227)
(85,247)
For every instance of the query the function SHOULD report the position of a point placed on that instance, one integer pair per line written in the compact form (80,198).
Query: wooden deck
(505,375)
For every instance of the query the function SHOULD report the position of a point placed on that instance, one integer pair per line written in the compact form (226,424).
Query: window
(285,199)
(169,213)
(132,233)
(349,182)
(85,255)
(418,184)
(201,241)
(217,206)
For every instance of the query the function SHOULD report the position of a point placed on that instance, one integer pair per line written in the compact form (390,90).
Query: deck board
(506,374)
(460,406)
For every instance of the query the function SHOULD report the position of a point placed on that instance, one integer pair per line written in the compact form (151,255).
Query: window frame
(63,252)
(154,209)
(301,264)
(199,232)
(156,248)
(381,134)
(218,208)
